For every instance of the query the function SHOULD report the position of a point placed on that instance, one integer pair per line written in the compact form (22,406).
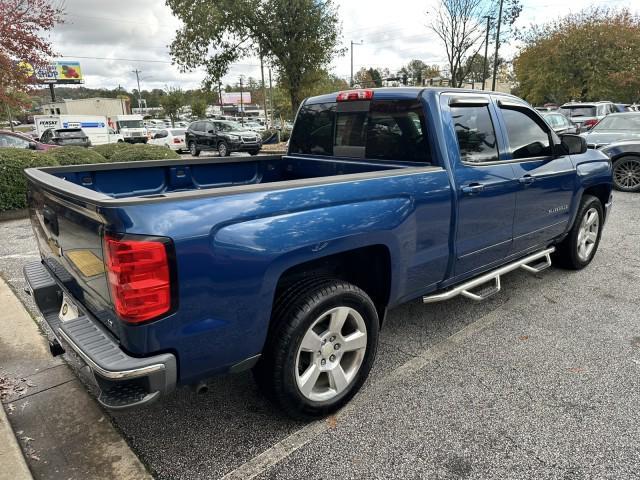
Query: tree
(588,56)
(171,102)
(198,108)
(297,37)
(461,26)
(23,25)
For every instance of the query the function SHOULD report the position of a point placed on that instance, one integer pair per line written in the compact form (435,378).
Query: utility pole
(271,97)
(241,103)
(352,44)
(220,97)
(485,73)
(264,90)
(53,92)
(495,60)
(138,72)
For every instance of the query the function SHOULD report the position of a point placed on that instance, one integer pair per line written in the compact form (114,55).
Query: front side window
(527,138)
(476,134)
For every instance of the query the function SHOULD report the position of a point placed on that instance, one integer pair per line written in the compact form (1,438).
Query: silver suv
(587,114)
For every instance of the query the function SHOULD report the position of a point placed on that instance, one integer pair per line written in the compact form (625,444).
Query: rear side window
(381,130)
(527,138)
(313,131)
(196,126)
(476,134)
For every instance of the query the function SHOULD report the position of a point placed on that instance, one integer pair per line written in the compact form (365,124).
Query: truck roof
(403,93)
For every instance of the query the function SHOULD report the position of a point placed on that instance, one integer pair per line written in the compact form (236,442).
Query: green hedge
(75,155)
(13,185)
(139,152)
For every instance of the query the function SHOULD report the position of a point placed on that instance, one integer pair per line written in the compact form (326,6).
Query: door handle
(526,180)
(472,188)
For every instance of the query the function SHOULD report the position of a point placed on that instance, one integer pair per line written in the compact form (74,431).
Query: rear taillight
(176,140)
(590,123)
(350,95)
(139,276)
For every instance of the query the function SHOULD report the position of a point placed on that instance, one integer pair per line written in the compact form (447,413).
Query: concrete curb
(62,431)
(14,214)
(14,466)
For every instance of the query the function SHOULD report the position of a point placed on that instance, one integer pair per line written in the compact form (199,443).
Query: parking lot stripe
(281,450)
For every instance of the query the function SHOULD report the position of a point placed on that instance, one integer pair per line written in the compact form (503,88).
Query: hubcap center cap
(326,350)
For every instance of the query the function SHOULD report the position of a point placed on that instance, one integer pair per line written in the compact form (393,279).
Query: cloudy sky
(113,38)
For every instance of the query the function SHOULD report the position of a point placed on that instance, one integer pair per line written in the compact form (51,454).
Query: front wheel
(254,152)
(223,150)
(320,348)
(626,174)
(579,247)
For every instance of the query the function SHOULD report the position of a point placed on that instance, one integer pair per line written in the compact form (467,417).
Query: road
(540,381)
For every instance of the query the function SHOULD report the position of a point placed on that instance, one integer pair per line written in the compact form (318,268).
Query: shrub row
(13,161)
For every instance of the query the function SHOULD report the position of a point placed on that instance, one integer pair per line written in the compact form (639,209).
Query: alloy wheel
(588,234)
(626,173)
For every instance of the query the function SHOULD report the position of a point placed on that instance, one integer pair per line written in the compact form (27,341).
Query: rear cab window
(389,130)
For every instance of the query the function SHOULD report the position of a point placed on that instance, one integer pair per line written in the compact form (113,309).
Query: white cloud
(135,34)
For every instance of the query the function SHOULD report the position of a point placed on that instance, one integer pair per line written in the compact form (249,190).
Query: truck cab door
(546,179)
(485,184)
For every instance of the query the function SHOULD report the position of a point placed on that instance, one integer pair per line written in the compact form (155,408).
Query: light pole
(486,51)
(138,72)
(495,60)
(241,102)
(352,44)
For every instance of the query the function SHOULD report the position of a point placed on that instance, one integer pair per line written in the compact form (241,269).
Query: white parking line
(20,255)
(281,450)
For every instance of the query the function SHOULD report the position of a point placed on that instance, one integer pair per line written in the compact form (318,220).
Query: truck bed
(155,179)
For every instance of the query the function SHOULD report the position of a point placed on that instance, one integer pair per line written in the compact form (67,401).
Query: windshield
(579,111)
(228,126)
(177,132)
(622,123)
(130,124)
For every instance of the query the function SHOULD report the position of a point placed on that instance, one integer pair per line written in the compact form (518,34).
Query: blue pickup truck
(164,273)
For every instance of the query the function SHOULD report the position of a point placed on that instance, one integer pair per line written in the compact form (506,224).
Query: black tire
(254,152)
(295,311)
(223,149)
(626,174)
(567,253)
(193,149)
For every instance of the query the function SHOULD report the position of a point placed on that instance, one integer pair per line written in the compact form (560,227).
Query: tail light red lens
(590,123)
(176,140)
(139,276)
(351,95)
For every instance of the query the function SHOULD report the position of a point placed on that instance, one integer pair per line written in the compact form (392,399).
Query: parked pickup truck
(163,273)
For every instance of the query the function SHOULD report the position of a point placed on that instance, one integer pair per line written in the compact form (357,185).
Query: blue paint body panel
(231,249)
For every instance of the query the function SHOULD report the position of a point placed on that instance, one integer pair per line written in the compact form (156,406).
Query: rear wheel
(320,348)
(223,150)
(626,174)
(579,247)
(254,152)
(193,149)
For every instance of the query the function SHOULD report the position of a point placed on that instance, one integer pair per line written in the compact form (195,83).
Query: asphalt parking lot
(540,381)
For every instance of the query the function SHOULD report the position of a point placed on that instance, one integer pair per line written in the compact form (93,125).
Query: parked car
(172,138)
(560,123)
(222,136)
(625,157)
(288,264)
(65,136)
(10,139)
(586,115)
(623,107)
(255,126)
(614,128)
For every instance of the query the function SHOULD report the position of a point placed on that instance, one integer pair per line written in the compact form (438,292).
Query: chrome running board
(534,263)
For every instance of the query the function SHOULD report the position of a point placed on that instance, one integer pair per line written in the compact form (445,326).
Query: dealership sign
(233,98)
(57,72)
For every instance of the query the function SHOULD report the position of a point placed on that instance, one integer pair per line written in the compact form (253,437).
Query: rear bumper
(118,380)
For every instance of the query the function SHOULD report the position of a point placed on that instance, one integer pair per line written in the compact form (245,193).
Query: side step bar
(534,263)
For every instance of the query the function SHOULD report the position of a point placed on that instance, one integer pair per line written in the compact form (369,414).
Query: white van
(131,127)
(94,126)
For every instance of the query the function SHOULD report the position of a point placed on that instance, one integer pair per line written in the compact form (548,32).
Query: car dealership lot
(540,381)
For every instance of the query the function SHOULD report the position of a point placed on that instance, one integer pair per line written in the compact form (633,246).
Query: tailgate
(69,235)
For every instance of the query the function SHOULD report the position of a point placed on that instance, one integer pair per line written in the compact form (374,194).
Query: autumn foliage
(23,24)
(589,56)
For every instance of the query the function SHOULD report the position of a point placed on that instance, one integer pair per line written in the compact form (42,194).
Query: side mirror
(573,144)
(32,146)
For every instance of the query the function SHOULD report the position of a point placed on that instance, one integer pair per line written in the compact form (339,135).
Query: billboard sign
(58,72)
(233,98)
